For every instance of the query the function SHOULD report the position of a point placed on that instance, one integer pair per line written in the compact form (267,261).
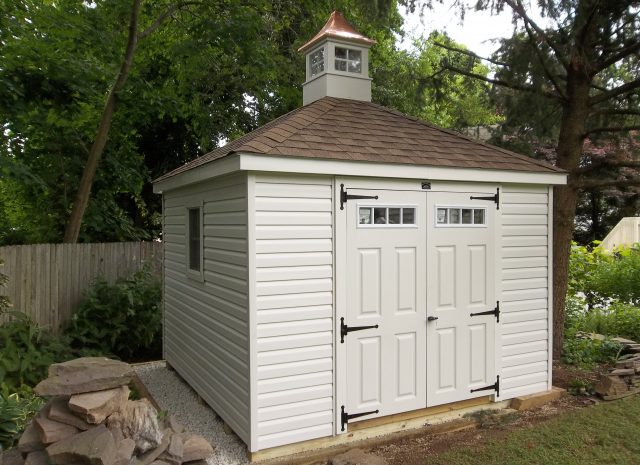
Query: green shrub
(27,350)
(16,410)
(587,353)
(123,319)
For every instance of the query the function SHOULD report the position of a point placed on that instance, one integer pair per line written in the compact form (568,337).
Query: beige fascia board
(212,169)
(288,164)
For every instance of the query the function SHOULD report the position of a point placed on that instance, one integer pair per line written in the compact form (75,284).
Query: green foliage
(4,300)
(587,353)
(123,319)
(16,410)
(27,350)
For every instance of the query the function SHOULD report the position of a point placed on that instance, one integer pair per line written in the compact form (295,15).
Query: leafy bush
(587,352)
(16,410)
(27,350)
(123,319)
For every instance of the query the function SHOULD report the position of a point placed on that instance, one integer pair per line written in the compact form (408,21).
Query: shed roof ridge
(467,138)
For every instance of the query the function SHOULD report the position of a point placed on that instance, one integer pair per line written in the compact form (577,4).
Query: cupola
(337,62)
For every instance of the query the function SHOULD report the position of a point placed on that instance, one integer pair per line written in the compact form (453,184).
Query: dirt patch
(569,376)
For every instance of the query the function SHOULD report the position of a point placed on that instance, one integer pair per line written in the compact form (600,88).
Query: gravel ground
(176,397)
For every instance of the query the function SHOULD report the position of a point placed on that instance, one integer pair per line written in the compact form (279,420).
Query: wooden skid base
(538,399)
(367,433)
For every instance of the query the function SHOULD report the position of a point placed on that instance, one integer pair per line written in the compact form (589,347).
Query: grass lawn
(604,434)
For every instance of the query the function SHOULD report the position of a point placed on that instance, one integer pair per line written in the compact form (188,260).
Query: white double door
(399,273)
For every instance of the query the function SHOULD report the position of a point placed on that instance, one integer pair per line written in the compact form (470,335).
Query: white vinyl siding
(525,299)
(294,309)
(206,321)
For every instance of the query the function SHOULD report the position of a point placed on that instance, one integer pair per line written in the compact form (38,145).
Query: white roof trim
(212,169)
(288,164)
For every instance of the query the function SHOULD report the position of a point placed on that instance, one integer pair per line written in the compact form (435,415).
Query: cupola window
(316,62)
(348,60)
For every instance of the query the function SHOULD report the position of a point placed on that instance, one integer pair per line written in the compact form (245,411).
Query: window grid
(316,62)
(386,216)
(348,60)
(460,216)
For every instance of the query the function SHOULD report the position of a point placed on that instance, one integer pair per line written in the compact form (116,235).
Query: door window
(460,216)
(386,216)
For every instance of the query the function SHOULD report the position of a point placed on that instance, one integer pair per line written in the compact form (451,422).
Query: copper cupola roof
(338,28)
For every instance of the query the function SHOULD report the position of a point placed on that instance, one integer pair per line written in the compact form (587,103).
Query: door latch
(432,318)
(493,387)
(345,417)
(344,329)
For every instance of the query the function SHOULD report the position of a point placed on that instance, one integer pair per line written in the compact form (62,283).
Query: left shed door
(386,272)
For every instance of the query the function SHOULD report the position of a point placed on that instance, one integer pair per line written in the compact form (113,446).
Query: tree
(582,68)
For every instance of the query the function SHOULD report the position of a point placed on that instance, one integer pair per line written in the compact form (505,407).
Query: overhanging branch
(596,184)
(470,54)
(604,96)
(164,16)
(613,129)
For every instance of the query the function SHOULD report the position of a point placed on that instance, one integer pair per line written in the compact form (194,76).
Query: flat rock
(52,431)
(11,457)
(124,451)
(611,386)
(138,420)
(38,457)
(92,447)
(173,423)
(59,411)
(623,372)
(159,462)
(86,374)
(621,340)
(95,407)
(150,456)
(175,450)
(30,440)
(357,457)
(195,448)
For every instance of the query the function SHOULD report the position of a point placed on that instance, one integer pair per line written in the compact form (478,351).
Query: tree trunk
(570,143)
(72,229)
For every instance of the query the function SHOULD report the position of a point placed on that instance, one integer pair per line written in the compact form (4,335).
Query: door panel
(386,276)
(460,281)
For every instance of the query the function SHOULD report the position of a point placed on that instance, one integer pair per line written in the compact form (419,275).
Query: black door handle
(432,318)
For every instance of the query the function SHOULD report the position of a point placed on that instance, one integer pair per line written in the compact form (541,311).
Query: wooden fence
(47,281)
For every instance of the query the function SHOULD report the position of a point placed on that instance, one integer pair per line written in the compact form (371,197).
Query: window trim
(386,225)
(460,225)
(197,275)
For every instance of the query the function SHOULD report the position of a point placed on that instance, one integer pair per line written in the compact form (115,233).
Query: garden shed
(346,262)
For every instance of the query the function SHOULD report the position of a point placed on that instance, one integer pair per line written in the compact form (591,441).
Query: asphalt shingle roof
(343,129)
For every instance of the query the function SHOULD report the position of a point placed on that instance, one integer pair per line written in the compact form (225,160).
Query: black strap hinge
(345,417)
(344,329)
(493,387)
(344,196)
(495,198)
(495,312)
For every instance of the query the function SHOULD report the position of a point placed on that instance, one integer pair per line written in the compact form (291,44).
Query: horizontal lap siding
(294,309)
(525,271)
(206,323)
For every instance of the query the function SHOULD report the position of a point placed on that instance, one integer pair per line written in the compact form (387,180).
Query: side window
(194,239)
(460,216)
(348,60)
(316,62)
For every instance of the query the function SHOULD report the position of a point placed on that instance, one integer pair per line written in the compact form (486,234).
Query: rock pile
(89,420)
(624,379)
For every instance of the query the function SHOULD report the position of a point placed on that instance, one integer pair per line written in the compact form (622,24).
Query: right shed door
(460,282)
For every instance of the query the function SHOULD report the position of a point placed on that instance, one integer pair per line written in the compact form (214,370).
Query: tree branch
(164,16)
(629,86)
(606,163)
(612,129)
(502,83)
(615,111)
(470,54)
(518,7)
(547,71)
(622,53)
(595,184)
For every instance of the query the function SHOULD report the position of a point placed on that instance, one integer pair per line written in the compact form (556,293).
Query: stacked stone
(89,420)
(624,379)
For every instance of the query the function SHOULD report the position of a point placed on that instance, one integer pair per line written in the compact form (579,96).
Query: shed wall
(294,309)
(206,336)
(525,299)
